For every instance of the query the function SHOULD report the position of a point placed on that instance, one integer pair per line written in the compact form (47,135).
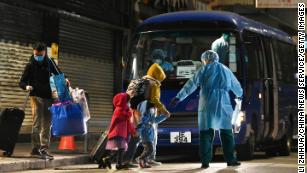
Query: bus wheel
(286,143)
(246,151)
(270,152)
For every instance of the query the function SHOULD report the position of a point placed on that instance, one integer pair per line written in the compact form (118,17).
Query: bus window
(286,61)
(253,56)
(269,52)
(178,52)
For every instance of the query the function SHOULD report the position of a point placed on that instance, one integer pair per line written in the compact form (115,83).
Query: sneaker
(204,166)
(36,154)
(123,166)
(131,165)
(234,164)
(107,161)
(45,154)
(154,163)
(34,151)
(143,163)
(102,164)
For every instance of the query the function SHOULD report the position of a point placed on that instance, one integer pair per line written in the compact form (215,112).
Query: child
(119,130)
(146,129)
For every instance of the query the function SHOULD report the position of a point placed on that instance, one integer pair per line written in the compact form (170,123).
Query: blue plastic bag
(59,88)
(58,85)
(67,119)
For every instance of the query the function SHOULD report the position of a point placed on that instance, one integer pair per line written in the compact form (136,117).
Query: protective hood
(155,71)
(120,100)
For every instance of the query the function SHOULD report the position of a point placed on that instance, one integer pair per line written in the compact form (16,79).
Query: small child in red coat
(119,131)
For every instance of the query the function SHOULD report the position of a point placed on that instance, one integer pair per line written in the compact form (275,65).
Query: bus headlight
(240,119)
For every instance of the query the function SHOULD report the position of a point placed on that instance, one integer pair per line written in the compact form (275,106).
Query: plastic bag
(236,111)
(78,96)
(67,119)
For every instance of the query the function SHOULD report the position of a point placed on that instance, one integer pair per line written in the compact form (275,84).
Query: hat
(210,56)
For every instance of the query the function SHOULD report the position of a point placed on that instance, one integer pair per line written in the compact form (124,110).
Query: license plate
(180,137)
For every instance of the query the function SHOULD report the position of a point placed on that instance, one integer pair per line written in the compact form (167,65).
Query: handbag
(58,86)
(67,119)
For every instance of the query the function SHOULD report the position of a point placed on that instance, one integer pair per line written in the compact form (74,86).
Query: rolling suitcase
(10,124)
(99,150)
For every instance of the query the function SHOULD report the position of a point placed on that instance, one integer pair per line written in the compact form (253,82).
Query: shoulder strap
(54,66)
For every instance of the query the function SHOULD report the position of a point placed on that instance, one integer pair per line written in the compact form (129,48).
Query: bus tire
(270,152)
(286,143)
(246,151)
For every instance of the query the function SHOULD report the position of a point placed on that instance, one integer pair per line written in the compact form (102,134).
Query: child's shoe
(102,164)
(107,162)
(143,163)
(123,166)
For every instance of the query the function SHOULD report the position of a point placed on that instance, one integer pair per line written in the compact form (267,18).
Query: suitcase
(10,123)
(99,151)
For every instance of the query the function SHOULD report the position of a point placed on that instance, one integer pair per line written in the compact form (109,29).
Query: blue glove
(174,102)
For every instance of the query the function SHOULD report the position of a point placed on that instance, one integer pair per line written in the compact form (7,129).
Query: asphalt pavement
(189,164)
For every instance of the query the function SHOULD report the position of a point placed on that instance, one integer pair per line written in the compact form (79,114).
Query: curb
(22,164)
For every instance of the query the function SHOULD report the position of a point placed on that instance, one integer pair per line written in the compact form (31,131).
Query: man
(215,109)
(221,47)
(159,56)
(35,79)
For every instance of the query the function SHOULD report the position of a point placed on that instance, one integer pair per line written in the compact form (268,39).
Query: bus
(263,59)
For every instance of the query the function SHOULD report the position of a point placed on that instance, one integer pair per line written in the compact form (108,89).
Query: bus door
(271,90)
(256,76)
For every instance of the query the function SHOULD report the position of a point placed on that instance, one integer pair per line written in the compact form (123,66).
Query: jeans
(148,149)
(132,147)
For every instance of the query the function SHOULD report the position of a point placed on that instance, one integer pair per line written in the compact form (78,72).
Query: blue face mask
(39,58)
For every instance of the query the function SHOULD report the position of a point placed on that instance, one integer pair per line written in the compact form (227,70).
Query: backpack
(141,91)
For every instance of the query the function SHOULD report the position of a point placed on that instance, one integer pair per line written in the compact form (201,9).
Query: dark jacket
(37,75)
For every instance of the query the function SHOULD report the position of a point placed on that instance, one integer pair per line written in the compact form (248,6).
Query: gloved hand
(238,100)
(29,88)
(174,102)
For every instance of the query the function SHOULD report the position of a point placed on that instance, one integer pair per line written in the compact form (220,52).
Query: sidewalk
(21,159)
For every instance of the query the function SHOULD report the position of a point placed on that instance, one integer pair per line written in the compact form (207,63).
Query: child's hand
(136,134)
(166,113)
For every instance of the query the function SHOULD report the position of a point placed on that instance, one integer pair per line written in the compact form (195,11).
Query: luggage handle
(25,102)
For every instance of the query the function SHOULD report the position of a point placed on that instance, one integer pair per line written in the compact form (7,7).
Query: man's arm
(191,85)
(24,80)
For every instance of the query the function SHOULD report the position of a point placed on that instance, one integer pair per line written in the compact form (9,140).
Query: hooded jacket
(156,75)
(120,124)
(147,121)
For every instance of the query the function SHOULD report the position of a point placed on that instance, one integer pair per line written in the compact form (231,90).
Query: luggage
(67,119)
(140,91)
(99,151)
(10,123)
(140,88)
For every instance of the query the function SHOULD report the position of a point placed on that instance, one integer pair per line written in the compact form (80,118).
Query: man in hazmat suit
(215,109)
(159,56)
(221,47)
